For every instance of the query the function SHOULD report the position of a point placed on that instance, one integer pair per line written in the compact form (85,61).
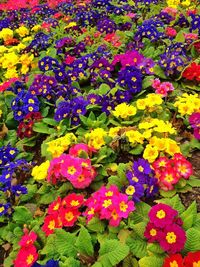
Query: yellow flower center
(130,190)
(69,216)
(91,211)
(174,264)
(196,264)
(74,203)
(71,170)
(51,225)
(123,206)
(160,214)
(107,203)
(114,215)
(171,238)
(109,193)
(56,207)
(153,232)
(29,259)
(140,168)
(135,179)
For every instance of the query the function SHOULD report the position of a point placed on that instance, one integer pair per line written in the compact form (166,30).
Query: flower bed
(99,122)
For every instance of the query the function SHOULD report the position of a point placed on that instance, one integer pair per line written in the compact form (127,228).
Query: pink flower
(168,178)
(171,11)
(69,216)
(26,257)
(184,168)
(162,215)
(51,222)
(28,239)
(171,32)
(131,15)
(78,149)
(156,83)
(190,36)
(69,59)
(172,239)
(197,133)
(152,232)
(71,167)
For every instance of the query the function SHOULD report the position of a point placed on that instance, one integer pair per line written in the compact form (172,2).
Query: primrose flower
(162,215)
(172,239)
(22,31)
(71,167)
(6,34)
(174,260)
(96,138)
(152,232)
(192,259)
(28,239)
(124,111)
(51,222)
(40,172)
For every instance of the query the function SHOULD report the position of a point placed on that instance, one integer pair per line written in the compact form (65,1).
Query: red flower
(192,72)
(73,201)
(51,222)
(69,216)
(54,206)
(192,259)
(175,260)
(26,257)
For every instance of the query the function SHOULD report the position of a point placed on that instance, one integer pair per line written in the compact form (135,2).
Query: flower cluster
(62,213)
(187,104)
(165,228)
(162,88)
(170,171)
(27,254)
(192,259)
(141,181)
(194,120)
(124,111)
(109,204)
(73,167)
(61,144)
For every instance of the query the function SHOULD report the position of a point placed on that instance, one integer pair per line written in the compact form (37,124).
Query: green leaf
(138,228)
(96,225)
(159,72)
(151,261)
(84,242)
(32,189)
(103,89)
(22,215)
(167,194)
(141,213)
(49,248)
(137,150)
(192,243)
(65,243)
(69,262)
(180,38)
(154,248)
(189,216)
(194,181)
(147,81)
(112,252)
(138,247)
(50,121)
(41,127)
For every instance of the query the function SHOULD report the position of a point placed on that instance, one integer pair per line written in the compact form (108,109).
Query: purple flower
(19,190)
(141,166)
(4,209)
(135,190)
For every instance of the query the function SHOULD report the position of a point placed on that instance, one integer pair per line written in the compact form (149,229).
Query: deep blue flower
(141,166)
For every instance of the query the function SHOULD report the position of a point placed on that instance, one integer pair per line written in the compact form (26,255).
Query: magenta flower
(162,215)
(194,120)
(71,167)
(197,133)
(152,232)
(172,239)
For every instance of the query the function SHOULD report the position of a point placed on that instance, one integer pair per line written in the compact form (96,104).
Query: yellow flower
(36,28)
(9,60)
(6,34)
(3,49)
(187,104)
(150,153)
(141,104)
(1,112)
(147,134)
(96,138)
(59,145)
(173,3)
(153,100)
(40,172)
(113,132)
(70,25)
(186,3)
(172,147)
(22,31)
(11,73)
(124,111)
(135,137)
